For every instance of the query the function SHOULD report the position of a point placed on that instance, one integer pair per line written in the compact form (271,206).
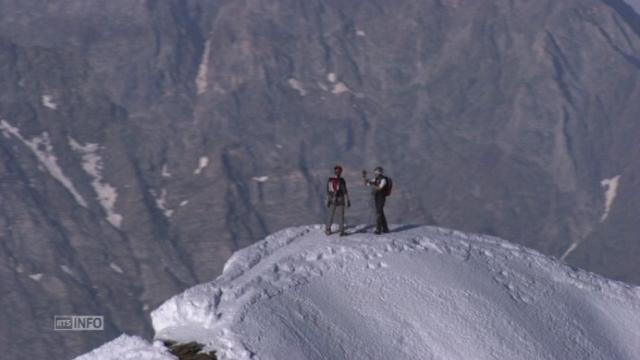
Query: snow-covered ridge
(130,348)
(416,293)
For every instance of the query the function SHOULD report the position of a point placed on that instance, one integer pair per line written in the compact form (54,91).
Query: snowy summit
(415,293)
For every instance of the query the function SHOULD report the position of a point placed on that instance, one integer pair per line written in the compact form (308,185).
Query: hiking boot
(377,232)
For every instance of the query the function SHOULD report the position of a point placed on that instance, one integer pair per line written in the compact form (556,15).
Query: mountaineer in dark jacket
(381,188)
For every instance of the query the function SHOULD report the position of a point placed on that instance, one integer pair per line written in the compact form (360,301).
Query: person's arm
(346,193)
(382,184)
(378,187)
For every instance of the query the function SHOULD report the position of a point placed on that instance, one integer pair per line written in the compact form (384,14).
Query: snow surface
(416,293)
(128,347)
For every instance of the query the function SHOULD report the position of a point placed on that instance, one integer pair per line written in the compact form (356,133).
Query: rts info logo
(78,322)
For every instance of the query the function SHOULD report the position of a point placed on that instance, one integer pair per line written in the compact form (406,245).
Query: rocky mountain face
(141,143)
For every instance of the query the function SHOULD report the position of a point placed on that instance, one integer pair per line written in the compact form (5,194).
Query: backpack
(388,186)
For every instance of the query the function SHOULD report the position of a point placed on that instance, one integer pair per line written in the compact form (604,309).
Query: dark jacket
(336,191)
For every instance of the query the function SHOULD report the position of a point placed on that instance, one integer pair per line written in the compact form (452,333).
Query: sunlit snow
(203,162)
(116,268)
(42,149)
(128,347)
(36,277)
(47,101)
(92,164)
(611,186)
(415,293)
(297,85)
(340,88)
(66,269)
(161,202)
(574,245)
(203,70)
(260,178)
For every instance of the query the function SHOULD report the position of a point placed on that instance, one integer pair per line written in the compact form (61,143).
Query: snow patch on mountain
(47,101)
(416,293)
(43,150)
(202,79)
(92,164)
(260,179)
(611,191)
(340,88)
(203,162)
(36,277)
(66,269)
(161,202)
(297,85)
(116,268)
(165,171)
(574,245)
